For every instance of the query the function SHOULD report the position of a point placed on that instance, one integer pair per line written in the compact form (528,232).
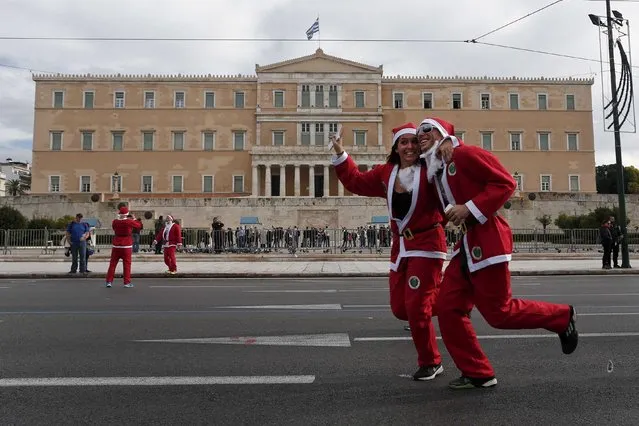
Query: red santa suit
(122,245)
(171,234)
(418,243)
(478,273)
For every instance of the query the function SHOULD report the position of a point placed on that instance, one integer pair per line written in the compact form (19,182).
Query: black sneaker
(428,373)
(468,383)
(570,337)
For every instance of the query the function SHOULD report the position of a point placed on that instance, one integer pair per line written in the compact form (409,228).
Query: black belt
(409,234)
(471,220)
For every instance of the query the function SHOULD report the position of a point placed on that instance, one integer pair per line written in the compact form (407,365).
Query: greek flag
(314,29)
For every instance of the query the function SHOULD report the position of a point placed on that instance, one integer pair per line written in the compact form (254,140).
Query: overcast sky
(562,28)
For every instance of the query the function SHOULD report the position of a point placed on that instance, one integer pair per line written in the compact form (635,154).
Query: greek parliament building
(266,135)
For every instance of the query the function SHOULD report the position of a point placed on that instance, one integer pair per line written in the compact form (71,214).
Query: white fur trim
(436,125)
(473,267)
(336,161)
(476,212)
(406,131)
(122,246)
(403,253)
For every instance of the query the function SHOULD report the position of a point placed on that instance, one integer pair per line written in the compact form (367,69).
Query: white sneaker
(129,285)
(108,285)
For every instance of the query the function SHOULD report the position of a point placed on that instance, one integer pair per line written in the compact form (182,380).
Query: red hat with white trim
(444,127)
(404,129)
(123,210)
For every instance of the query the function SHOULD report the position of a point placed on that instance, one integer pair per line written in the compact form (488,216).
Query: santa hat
(123,211)
(404,129)
(169,217)
(444,127)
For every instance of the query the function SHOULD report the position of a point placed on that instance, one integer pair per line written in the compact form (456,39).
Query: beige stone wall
(334,212)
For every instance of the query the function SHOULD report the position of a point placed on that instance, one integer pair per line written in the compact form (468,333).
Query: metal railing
(281,240)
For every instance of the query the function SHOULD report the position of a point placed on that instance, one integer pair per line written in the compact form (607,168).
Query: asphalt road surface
(297,352)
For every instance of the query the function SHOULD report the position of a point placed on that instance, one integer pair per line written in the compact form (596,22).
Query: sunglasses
(425,128)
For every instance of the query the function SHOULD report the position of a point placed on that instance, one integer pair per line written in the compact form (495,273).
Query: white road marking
(500,336)
(331,306)
(523,296)
(4,287)
(290,291)
(156,381)
(365,306)
(324,340)
(232,287)
(605,314)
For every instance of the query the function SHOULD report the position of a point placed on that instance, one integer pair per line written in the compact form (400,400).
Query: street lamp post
(625,258)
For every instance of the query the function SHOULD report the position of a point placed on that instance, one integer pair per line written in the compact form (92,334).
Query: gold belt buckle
(408,234)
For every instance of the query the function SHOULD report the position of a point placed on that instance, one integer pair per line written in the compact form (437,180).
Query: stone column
(282,180)
(297,180)
(311,180)
(380,136)
(267,181)
(327,187)
(255,182)
(340,189)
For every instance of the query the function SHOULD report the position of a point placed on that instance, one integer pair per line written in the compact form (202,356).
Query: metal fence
(368,240)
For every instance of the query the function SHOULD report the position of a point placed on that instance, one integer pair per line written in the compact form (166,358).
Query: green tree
(11,218)
(606,179)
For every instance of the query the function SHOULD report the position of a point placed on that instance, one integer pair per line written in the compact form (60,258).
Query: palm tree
(15,187)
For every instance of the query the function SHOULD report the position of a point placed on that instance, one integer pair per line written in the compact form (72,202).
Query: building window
(360,137)
(460,135)
(319,96)
(85,183)
(238,184)
(147,183)
(208,141)
(278,138)
(177,184)
(58,99)
(398,100)
(180,99)
(544,141)
(515,141)
(332,128)
(149,99)
(178,141)
(427,100)
(238,140)
(116,183)
(207,184)
(119,100)
(239,99)
(542,101)
(209,100)
(306,134)
(56,141)
(487,141)
(457,101)
(573,143)
(89,98)
(546,183)
(485,100)
(360,101)
(514,100)
(519,180)
(54,183)
(147,141)
(332,96)
(87,141)
(573,183)
(118,140)
(278,99)
(306,96)
(570,102)
(319,134)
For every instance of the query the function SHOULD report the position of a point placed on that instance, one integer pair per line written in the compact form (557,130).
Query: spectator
(77,234)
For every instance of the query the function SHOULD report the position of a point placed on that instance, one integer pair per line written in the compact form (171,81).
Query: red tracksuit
(122,247)
(478,273)
(416,263)
(171,234)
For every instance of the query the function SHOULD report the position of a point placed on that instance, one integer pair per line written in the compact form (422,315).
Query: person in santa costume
(171,234)
(122,245)
(471,188)
(418,240)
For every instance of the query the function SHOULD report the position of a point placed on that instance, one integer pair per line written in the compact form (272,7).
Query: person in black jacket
(617,236)
(606,241)
(218,234)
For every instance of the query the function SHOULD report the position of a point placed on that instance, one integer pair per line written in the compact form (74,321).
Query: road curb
(598,272)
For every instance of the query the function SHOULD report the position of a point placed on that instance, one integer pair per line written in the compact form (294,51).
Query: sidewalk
(288,269)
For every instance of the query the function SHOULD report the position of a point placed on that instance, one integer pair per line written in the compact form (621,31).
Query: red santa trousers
(413,291)
(169,258)
(489,289)
(118,253)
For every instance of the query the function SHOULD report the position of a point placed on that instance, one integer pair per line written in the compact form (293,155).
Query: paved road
(92,345)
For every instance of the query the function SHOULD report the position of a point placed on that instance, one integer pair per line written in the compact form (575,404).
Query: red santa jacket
(123,229)
(423,219)
(476,178)
(171,234)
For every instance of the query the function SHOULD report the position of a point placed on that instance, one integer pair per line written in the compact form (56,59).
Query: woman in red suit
(171,234)
(419,243)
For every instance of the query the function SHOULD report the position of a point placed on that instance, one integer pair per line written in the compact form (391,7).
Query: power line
(225,39)
(516,20)
(16,67)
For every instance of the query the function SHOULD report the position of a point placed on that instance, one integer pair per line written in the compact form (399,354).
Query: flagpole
(319,37)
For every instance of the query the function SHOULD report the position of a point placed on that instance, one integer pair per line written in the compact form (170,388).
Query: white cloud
(563,28)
